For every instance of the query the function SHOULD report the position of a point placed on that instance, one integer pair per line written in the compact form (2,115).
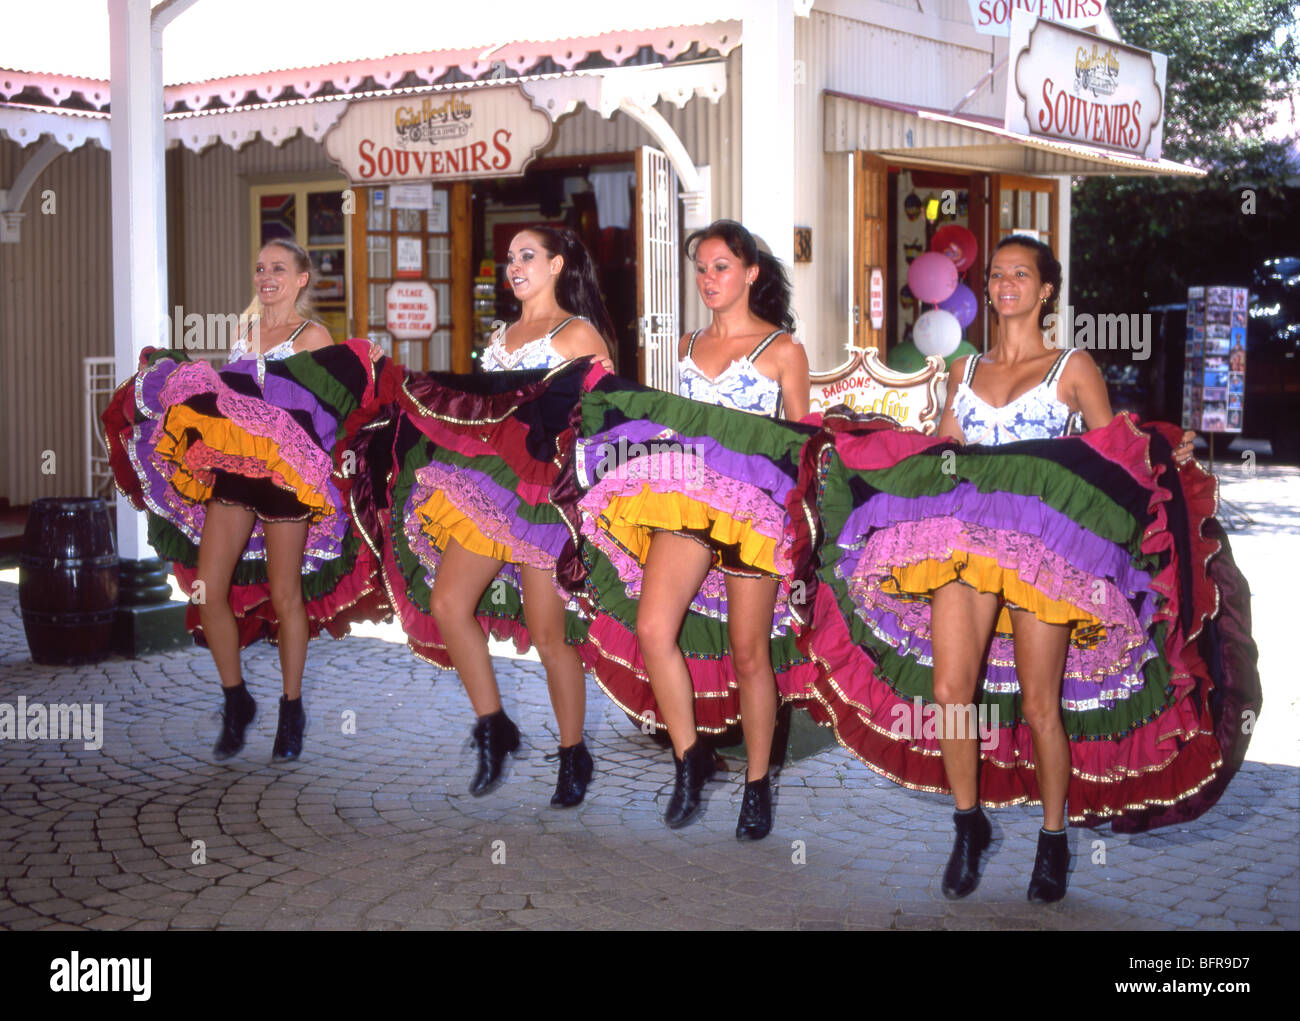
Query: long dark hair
(1049,271)
(577,289)
(769,297)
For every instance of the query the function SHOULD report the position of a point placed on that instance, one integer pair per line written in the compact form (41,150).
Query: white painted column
(1064,194)
(767,124)
(138,212)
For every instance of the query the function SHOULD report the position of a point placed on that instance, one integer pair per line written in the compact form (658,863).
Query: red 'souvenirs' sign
(993,17)
(1079,87)
(491,132)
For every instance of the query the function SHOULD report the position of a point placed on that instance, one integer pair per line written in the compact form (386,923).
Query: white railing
(99,381)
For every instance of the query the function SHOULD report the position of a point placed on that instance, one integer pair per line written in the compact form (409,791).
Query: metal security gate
(658,269)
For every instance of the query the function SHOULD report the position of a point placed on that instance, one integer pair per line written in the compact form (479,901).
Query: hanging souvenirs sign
(1079,87)
(993,17)
(439,136)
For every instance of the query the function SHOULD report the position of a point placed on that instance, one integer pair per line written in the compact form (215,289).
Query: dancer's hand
(1183,452)
(376,352)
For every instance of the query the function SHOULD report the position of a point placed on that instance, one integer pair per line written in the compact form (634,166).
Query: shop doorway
(593,196)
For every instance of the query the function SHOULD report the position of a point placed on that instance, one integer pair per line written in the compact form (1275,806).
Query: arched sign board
(1078,87)
(440,136)
(867,386)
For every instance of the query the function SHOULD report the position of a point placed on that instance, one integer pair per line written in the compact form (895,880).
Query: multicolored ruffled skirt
(1101,533)
(181,433)
(471,459)
(647,461)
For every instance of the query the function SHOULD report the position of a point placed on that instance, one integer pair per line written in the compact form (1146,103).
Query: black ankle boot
(288,733)
(494,736)
(755,810)
(237,714)
(963,872)
(1051,865)
(693,770)
(574,774)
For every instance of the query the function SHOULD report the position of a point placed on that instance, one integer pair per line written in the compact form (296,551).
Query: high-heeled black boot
(238,713)
(576,767)
(1051,866)
(972,839)
(495,735)
(693,770)
(755,810)
(288,732)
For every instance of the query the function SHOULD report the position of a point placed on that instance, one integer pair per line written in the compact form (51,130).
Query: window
(313,215)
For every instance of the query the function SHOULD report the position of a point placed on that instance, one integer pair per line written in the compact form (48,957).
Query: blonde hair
(303,303)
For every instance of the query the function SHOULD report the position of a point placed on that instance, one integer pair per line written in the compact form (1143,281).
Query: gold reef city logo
(431,122)
(1096,72)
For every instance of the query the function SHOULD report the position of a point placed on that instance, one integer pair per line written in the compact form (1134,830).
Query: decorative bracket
(11,199)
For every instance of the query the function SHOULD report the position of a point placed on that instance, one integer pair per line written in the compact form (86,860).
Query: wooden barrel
(67,581)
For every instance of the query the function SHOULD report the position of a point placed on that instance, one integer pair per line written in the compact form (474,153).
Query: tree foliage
(1136,242)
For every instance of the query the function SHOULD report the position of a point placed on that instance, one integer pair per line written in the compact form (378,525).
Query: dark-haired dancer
(563,317)
(686,532)
(1020,390)
(745,359)
(1038,577)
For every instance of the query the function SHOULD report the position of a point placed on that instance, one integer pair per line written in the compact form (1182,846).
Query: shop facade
(417,169)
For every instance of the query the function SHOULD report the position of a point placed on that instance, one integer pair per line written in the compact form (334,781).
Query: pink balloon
(963,304)
(932,277)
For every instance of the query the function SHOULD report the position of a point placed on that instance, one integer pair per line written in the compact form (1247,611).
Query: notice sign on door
(412,310)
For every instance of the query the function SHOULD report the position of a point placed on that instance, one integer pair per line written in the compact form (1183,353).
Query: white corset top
(536,354)
(739,386)
(240,349)
(1037,414)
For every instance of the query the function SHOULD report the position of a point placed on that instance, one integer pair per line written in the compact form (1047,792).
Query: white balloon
(937,332)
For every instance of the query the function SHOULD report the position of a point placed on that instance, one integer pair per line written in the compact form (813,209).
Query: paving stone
(377,831)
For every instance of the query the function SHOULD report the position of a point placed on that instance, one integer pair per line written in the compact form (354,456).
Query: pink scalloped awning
(217,39)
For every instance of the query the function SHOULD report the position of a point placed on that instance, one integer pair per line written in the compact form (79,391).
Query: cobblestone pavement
(374,830)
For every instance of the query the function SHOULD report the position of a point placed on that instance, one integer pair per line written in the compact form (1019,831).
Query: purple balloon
(963,304)
(932,277)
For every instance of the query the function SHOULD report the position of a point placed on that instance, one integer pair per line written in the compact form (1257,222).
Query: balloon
(932,277)
(963,304)
(937,333)
(958,244)
(964,348)
(906,358)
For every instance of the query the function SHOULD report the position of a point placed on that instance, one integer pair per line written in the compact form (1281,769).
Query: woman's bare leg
(285,543)
(961,623)
(226,529)
(675,568)
(1040,664)
(565,678)
(462,579)
(750,602)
